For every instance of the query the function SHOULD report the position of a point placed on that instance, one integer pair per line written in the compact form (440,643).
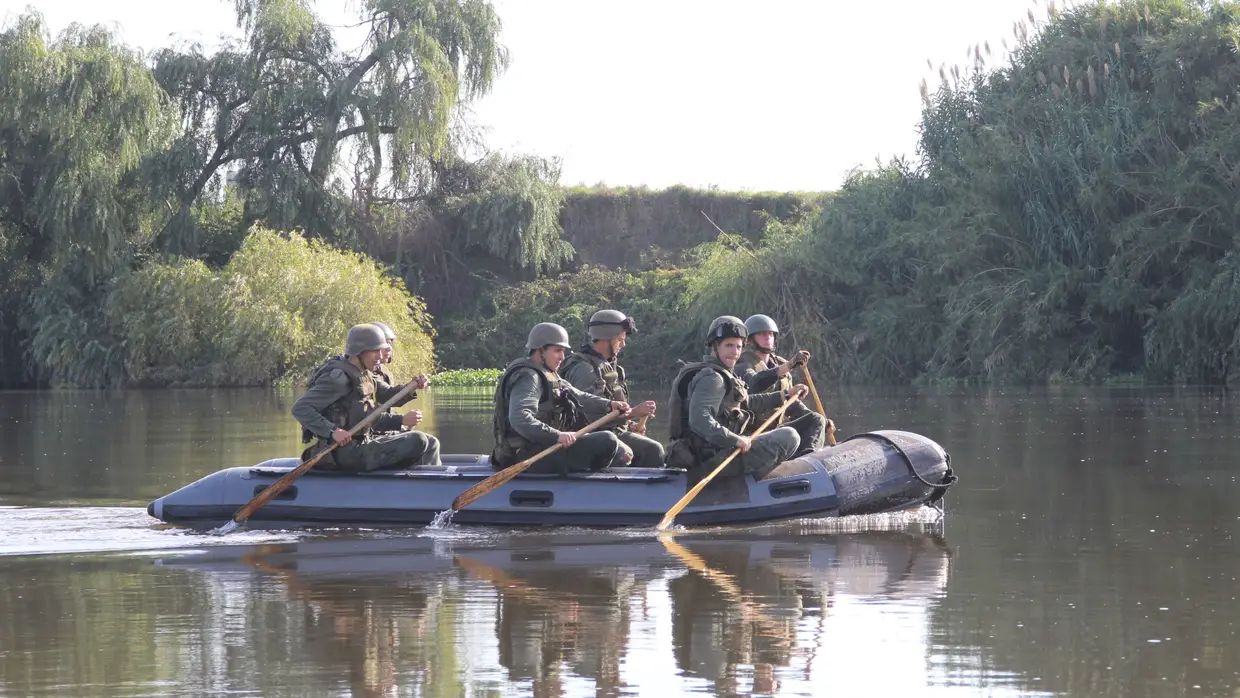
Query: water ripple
(56,530)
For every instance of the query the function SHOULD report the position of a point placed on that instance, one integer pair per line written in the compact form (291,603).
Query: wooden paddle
(684,501)
(809,380)
(282,484)
(473,493)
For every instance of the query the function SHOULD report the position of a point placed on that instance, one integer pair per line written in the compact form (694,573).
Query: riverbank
(1069,220)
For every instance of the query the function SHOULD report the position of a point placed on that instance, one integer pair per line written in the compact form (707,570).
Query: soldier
(386,423)
(595,368)
(390,336)
(762,369)
(535,408)
(710,409)
(342,392)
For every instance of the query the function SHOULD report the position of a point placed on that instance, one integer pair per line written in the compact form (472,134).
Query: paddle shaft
(746,249)
(473,493)
(809,380)
(684,501)
(287,479)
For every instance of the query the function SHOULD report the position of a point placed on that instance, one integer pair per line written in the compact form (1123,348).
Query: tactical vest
(557,407)
(609,379)
(773,360)
(353,407)
(687,447)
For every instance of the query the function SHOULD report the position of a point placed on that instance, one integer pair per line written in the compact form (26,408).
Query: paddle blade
(225,529)
(667,521)
(684,501)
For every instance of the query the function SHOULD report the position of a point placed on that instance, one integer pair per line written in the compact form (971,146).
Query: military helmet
(760,323)
(726,326)
(364,338)
(388,334)
(606,324)
(545,333)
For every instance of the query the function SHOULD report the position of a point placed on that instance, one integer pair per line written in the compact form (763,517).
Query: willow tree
(278,109)
(78,114)
(491,221)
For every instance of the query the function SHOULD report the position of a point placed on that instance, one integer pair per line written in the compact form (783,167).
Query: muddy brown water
(1089,550)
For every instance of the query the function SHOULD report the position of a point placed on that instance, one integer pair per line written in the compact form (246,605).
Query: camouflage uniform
(532,407)
(761,374)
(710,408)
(588,371)
(338,397)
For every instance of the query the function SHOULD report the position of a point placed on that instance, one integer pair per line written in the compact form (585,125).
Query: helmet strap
(542,358)
(758,348)
(608,349)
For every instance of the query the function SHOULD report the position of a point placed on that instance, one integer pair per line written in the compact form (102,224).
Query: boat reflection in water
(782,610)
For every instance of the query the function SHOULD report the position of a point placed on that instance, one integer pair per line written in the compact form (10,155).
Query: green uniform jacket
(761,375)
(339,396)
(529,405)
(708,403)
(588,371)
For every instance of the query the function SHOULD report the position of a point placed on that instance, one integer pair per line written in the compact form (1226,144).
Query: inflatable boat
(868,473)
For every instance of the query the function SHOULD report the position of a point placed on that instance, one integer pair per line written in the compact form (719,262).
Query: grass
(461,377)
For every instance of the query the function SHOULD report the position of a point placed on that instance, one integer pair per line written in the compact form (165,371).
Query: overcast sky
(771,95)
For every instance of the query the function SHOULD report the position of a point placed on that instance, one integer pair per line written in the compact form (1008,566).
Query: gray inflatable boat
(867,473)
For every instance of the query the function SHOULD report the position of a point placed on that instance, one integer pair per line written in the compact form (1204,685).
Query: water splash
(442,519)
(227,528)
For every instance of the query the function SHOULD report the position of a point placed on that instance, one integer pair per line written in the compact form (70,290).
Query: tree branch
(301,163)
(398,199)
(340,95)
(304,60)
(272,145)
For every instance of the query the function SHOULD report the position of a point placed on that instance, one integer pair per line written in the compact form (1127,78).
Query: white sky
(768,95)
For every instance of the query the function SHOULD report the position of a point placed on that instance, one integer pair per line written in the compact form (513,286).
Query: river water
(1089,549)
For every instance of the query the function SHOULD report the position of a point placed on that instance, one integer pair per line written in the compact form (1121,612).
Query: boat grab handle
(790,489)
(289,493)
(531,498)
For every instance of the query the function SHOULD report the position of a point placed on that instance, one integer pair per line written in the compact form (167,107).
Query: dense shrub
(280,306)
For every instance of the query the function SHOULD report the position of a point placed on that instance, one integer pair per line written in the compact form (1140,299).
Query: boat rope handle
(940,489)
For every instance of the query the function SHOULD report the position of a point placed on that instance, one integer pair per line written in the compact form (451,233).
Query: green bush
(494,332)
(280,306)
(468,377)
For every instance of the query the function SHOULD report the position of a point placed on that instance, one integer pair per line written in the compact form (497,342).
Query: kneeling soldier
(342,392)
(762,369)
(595,368)
(711,408)
(535,408)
